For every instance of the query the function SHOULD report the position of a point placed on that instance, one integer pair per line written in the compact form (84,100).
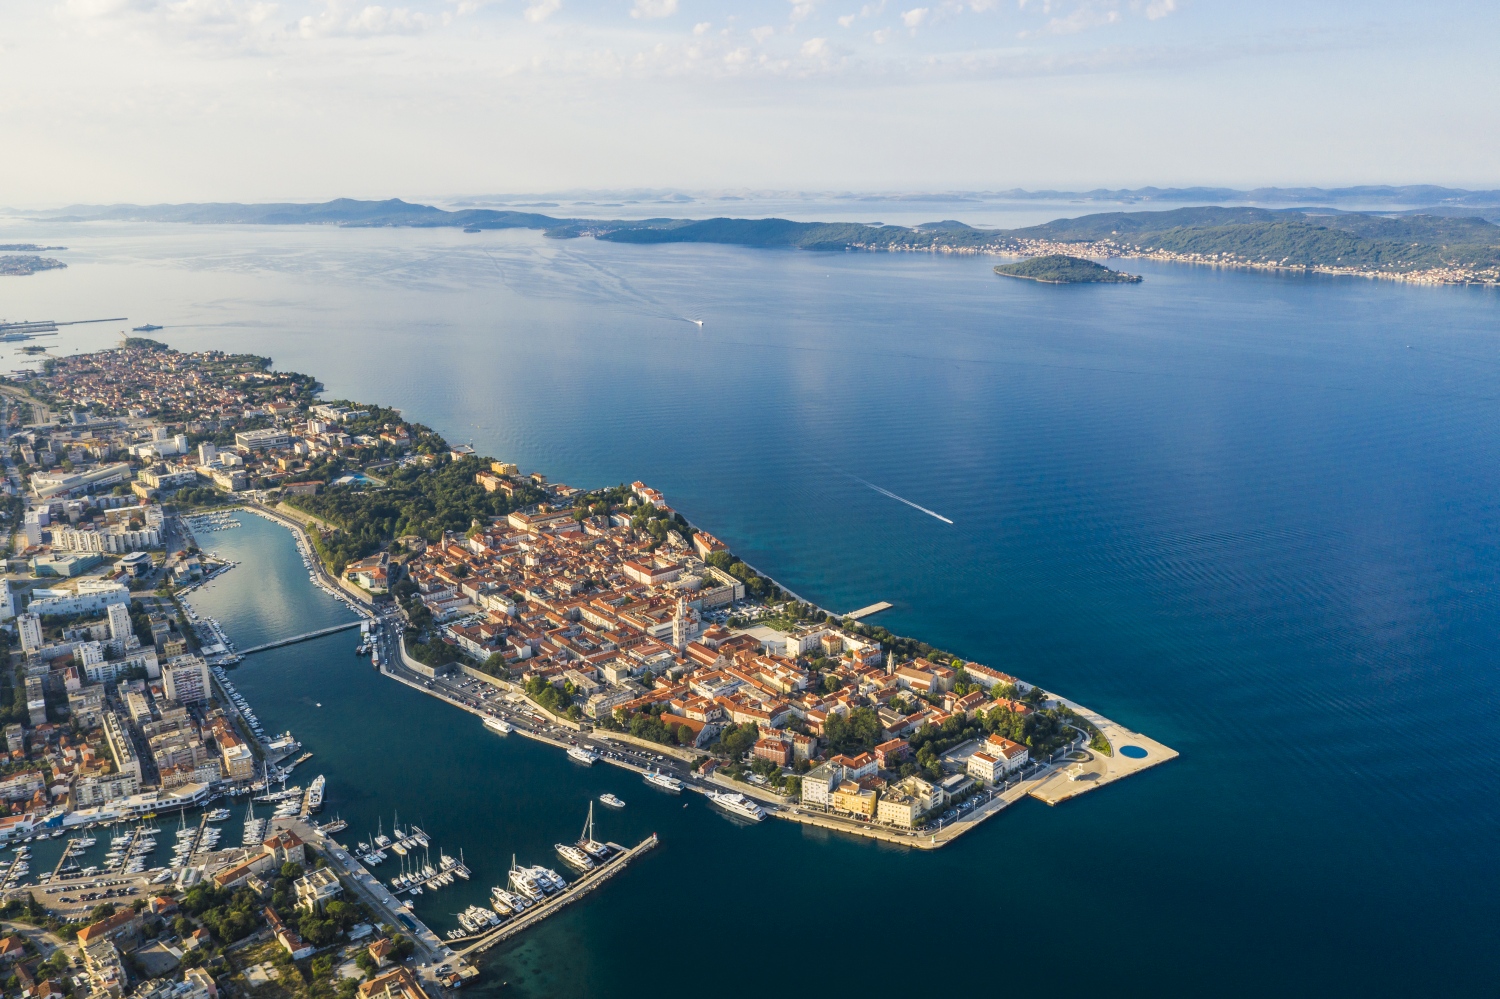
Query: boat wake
(899,499)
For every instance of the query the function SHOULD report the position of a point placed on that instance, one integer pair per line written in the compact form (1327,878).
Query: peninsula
(1420,248)
(1057,268)
(606,610)
(20,265)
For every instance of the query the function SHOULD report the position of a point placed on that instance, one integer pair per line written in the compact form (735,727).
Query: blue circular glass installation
(1134,752)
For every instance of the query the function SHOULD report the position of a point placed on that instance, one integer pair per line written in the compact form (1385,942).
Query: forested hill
(1289,237)
(1286,237)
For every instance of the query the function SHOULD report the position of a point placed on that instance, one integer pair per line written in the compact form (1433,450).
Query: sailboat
(587,843)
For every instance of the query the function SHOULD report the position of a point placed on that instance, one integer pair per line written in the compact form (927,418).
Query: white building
(185,679)
(116,539)
(96,790)
(259,440)
(33,522)
(55,483)
(819,782)
(30,627)
(120,629)
(139,657)
(91,597)
(999,757)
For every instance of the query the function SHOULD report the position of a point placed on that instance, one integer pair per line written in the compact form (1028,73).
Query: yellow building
(850,797)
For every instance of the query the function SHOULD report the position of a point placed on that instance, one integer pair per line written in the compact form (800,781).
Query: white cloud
(762,33)
(913,18)
(847,20)
(882,36)
(1086,15)
(653,8)
(541,10)
(801,10)
(1158,9)
(814,47)
(701,28)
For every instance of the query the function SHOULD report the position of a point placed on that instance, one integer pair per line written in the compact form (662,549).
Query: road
(43,940)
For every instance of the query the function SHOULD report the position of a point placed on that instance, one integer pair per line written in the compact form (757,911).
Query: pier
(305,636)
(867,611)
(12,867)
(586,883)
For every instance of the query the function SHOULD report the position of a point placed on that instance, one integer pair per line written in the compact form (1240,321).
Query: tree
(856,734)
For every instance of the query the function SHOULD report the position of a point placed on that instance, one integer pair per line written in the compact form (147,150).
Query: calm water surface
(1252,517)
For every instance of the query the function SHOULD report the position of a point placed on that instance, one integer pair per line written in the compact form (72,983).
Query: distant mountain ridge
(1319,238)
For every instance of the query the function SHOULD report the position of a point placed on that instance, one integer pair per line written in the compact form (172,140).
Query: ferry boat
(612,801)
(574,857)
(737,804)
(496,725)
(580,755)
(664,781)
(315,793)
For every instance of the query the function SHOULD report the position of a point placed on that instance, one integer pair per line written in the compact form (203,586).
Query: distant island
(1059,268)
(19,266)
(1436,248)
(27,247)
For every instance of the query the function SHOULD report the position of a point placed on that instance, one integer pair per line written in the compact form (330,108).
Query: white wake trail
(900,499)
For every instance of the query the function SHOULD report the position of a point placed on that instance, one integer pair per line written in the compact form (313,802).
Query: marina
(549,901)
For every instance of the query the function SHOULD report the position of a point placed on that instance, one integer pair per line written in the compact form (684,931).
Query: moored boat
(664,781)
(737,804)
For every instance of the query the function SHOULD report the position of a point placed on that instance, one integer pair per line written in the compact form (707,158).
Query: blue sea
(1254,517)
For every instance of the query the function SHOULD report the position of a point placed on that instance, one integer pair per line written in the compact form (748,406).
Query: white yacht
(612,800)
(315,793)
(664,781)
(511,901)
(574,857)
(496,725)
(737,804)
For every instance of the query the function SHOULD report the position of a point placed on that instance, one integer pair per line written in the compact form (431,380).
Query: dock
(586,883)
(867,611)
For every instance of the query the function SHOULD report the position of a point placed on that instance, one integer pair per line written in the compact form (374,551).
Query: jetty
(586,883)
(874,608)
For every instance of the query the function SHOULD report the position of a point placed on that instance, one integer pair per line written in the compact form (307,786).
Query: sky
(254,100)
